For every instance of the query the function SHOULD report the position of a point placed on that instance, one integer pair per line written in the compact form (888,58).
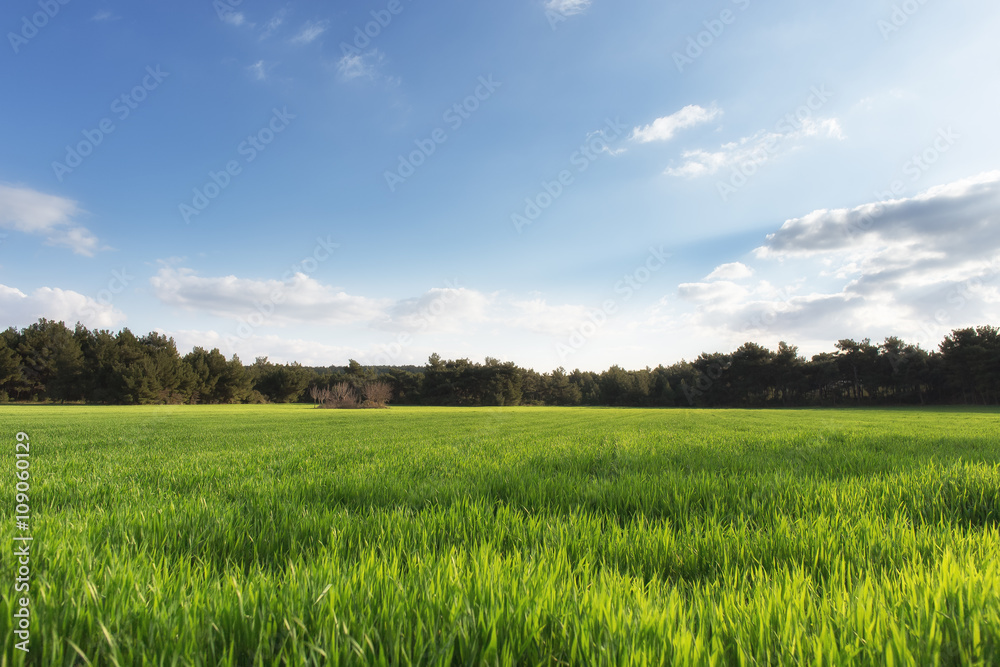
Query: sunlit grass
(251,535)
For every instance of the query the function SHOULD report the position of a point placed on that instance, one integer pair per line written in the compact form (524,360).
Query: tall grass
(285,535)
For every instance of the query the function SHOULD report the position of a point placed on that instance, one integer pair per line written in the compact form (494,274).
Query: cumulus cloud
(457,310)
(31,212)
(538,316)
(443,309)
(310,32)
(731,271)
(277,349)
(961,217)
(302,300)
(755,149)
(915,267)
(567,7)
(20,309)
(299,299)
(664,129)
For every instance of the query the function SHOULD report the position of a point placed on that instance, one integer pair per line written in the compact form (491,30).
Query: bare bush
(377,394)
(342,395)
(320,395)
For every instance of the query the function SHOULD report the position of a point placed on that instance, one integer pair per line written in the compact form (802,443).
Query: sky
(574,183)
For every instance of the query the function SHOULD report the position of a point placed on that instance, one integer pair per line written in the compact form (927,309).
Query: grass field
(251,535)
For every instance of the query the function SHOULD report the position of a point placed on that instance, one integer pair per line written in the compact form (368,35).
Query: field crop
(248,535)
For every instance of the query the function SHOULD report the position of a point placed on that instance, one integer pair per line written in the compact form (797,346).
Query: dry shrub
(377,394)
(340,395)
(343,396)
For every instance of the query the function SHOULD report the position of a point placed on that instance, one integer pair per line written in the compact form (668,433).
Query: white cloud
(722,294)
(310,31)
(444,309)
(234,18)
(299,300)
(277,349)
(103,15)
(567,7)
(538,316)
(274,23)
(258,70)
(731,271)
(302,300)
(360,65)
(755,149)
(962,216)
(20,309)
(915,267)
(31,212)
(664,129)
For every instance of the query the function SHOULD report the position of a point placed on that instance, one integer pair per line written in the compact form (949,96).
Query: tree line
(47,361)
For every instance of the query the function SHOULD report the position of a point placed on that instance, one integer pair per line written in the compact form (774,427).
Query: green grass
(252,535)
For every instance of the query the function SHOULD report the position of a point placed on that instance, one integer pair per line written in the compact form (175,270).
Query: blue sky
(570,183)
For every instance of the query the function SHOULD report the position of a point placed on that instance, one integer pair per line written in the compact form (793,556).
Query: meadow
(262,535)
